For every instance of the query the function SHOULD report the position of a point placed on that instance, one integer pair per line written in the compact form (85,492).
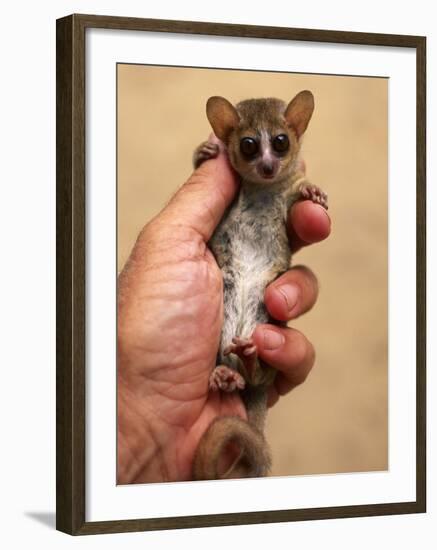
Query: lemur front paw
(205,151)
(245,349)
(314,193)
(226,379)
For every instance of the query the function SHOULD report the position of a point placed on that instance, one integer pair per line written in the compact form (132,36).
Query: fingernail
(272,339)
(324,210)
(290,294)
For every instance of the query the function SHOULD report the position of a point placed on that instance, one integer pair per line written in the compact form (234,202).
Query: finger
(201,202)
(272,396)
(307,223)
(288,351)
(292,294)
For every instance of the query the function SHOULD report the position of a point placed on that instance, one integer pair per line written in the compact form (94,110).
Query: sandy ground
(337,420)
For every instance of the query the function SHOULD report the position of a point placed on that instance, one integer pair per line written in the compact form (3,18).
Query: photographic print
(336,421)
(240,274)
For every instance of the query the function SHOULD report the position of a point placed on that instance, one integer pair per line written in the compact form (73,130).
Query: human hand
(170,312)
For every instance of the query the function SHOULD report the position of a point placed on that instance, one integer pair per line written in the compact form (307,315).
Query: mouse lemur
(262,138)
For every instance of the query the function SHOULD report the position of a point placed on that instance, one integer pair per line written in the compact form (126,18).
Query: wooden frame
(70,206)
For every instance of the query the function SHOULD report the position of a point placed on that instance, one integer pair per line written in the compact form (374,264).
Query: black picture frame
(71,253)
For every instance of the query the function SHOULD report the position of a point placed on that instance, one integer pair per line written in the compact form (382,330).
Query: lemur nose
(267,169)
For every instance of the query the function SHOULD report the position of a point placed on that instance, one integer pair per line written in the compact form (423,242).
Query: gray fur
(251,247)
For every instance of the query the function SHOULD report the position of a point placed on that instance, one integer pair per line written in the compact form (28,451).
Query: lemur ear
(222,116)
(299,111)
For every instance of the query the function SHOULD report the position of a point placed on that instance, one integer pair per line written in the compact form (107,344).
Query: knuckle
(308,282)
(308,274)
(300,348)
(198,177)
(151,235)
(305,364)
(311,358)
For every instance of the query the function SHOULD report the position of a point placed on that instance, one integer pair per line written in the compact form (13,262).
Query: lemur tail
(231,448)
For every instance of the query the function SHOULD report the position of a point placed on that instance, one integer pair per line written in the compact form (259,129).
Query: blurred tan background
(337,420)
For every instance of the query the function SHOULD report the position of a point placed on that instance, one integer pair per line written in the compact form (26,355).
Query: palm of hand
(182,310)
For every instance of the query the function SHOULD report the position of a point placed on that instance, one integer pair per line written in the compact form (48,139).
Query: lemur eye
(249,147)
(281,143)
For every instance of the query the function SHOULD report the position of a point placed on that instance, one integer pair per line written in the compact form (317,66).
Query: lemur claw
(226,379)
(245,349)
(204,152)
(315,194)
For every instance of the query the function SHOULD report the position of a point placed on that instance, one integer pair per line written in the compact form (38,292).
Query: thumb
(201,202)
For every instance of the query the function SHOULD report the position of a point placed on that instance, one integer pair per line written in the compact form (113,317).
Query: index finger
(307,223)
(201,201)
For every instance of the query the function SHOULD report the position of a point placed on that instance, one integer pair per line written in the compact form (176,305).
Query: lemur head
(262,135)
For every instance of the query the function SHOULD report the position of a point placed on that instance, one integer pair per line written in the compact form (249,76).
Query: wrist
(135,446)
(141,438)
